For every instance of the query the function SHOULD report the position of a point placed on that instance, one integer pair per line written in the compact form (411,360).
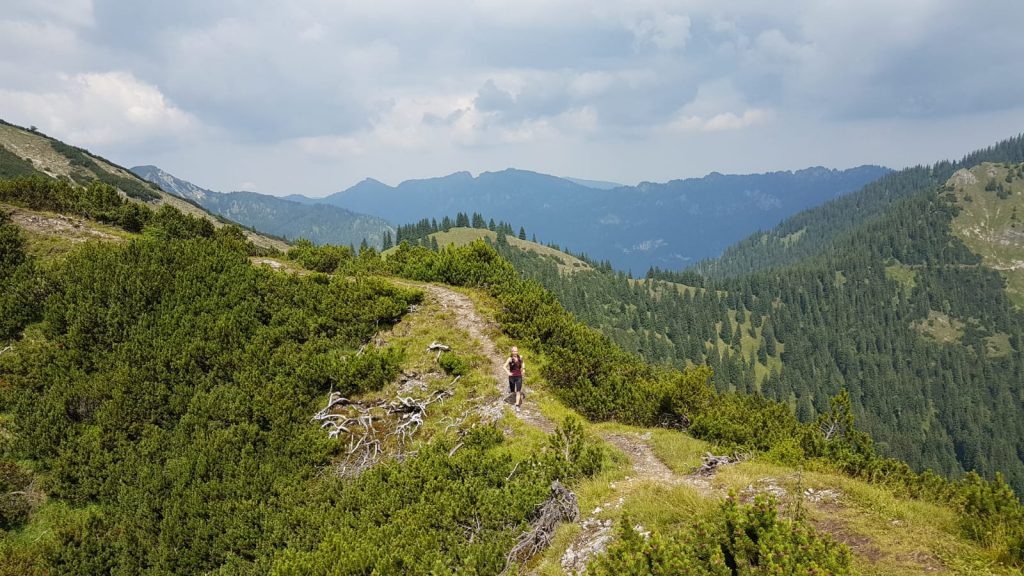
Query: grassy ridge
(991,219)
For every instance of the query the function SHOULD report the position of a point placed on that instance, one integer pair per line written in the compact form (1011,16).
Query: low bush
(453,364)
(736,540)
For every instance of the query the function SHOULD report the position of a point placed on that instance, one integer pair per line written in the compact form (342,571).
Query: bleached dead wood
(711,463)
(830,427)
(439,348)
(561,506)
(370,424)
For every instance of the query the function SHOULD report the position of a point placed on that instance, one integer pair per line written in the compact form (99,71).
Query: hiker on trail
(514,369)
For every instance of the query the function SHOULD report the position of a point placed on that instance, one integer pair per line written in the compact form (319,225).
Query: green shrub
(371,370)
(453,364)
(324,259)
(12,246)
(170,223)
(14,502)
(438,512)
(736,540)
(992,515)
(171,399)
(22,287)
(571,454)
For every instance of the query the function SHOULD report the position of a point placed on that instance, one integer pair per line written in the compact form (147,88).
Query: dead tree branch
(711,463)
(561,506)
(370,424)
(440,348)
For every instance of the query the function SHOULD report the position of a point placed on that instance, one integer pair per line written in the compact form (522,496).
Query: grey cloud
(490,98)
(450,119)
(272,84)
(620,104)
(266,72)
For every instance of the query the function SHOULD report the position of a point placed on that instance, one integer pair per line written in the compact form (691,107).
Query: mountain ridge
(911,308)
(53,158)
(634,227)
(318,223)
(815,231)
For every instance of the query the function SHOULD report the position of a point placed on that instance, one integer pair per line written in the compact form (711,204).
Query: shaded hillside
(918,327)
(814,232)
(667,225)
(318,223)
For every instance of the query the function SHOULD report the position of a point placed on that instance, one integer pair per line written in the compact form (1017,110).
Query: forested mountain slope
(320,224)
(167,407)
(635,227)
(176,400)
(814,232)
(918,324)
(27,152)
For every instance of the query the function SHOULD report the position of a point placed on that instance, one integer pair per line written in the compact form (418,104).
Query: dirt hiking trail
(595,533)
(468,320)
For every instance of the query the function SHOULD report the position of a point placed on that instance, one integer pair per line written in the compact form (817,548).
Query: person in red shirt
(514,369)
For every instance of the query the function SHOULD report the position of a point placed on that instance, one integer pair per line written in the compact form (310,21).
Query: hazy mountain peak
(690,219)
(280,216)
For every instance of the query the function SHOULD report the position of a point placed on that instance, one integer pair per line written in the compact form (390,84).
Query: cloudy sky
(311,96)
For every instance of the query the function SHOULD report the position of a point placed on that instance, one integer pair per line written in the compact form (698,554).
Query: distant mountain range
(908,294)
(599,184)
(667,225)
(322,224)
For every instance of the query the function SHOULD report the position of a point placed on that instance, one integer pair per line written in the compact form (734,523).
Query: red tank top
(515,365)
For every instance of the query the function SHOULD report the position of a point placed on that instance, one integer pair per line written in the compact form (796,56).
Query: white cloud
(717,107)
(335,147)
(377,81)
(720,122)
(104,109)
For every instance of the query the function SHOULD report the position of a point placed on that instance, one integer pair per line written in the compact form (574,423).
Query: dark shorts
(515,383)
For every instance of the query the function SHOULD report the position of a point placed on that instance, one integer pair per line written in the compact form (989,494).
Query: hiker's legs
(515,384)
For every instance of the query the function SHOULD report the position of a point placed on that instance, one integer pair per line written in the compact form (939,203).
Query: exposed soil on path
(467,320)
(595,533)
(646,464)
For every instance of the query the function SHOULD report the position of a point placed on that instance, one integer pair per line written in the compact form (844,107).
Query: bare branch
(712,463)
(513,472)
(368,424)
(561,506)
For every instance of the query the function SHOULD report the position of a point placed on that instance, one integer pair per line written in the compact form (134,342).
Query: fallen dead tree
(369,425)
(439,348)
(711,463)
(561,506)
